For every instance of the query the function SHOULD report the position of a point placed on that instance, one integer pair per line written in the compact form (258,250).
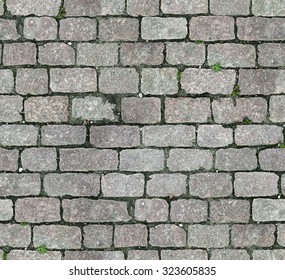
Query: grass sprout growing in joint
(217,67)
(42,249)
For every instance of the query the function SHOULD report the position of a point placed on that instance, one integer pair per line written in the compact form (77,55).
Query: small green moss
(281,145)
(23,224)
(179,75)
(42,249)
(217,67)
(247,121)
(236,91)
(5,256)
(199,42)
(61,13)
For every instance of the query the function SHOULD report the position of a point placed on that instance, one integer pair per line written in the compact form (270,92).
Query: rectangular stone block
(81,159)
(72,184)
(92,108)
(236,159)
(6,81)
(143,7)
(122,185)
(260,29)
(8,30)
(226,111)
(118,29)
(232,55)
(255,184)
(46,109)
(255,135)
(184,254)
(56,54)
(37,210)
(230,7)
(184,7)
(73,80)
(94,255)
(208,185)
(15,235)
(33,255)
(111,136)
(18,135)
(57,236)
(32,81)
(143,255)
(283,184)
(91,54)
(155,28)
(39,159)
(187,110)
(141,53)
(83,210)
(185,53)
(141,160)
(59,135)
(19,54)
(271,54)
(98,236)
(272,159)
(265,209)
(208,236)
(253,235)
(169,136)
(141,110)
(268,8)
(19,184)
(277,109)
(276,254)
(161,185)
(211,28)
(230,254)
(159,81)
(189,160)
(11,108)
(229,211)
(78,29)
(119,80)
(8,159)
(6,209)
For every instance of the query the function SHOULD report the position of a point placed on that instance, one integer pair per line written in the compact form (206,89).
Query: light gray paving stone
(33,255)
(98,236)
(11,108)
(265,209)
(276,109)
(8,159)
(143,7)
(230,254)
(281,234)
(187,254)
(230,7)
(268,8)
(143,255)
(272,159)
(276,254)
(6,81)
(8,30)
(6,209)
(94,255)
(271,54)
(184,7)
(15,235)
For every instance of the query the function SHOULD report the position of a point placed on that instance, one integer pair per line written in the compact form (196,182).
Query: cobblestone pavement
(142,129)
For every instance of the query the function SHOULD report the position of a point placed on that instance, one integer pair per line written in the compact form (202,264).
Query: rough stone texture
(8,159)
(187,110)
(268,210)
(32,81)
(46,109)
(15,235)
(141,110)
(57,237)
(81,159)
(283,184)
(72,184)
(92,108)
(184,255)
(6,81)
(208,185)
(33,255)
(143,7)
(189,160)
(277,254)
(40,28)
(94,255)
(98,236)
(232,55)
(230,7)
(122,185)
(184,7)
(166,185)
(155,28)
(10,108)
(151,210)
(225,110)
(37,210)
(59,135)
(97,54)
(159,81)
(198,81)
(143,255)
(8,30)
(276,109)
(271,54)
(208,236)
(6,209)
(229,254)
(214,136)
(211,28)
(272,159)
(167,236)
(281,234)
(88,210)
(229,211)
(189,211)
(253,235)
(259,28)
(255,184)
(268,8)
(185,53)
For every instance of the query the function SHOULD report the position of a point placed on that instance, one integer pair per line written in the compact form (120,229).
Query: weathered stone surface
(281,234)
(255,184)
(94,255)
(211,28)
(264,209)
(188,160)
(33,255)
(167,236)
(208,236)
(277,109)
(271,54)
(6,209)
(151,210)
(143,7)
(8,159)
(159,81)
(88,210)
(155,28)
(184,7)
(184,255)
(72,184)
(8,30)
(166,185)
(15,235)
(209,185)
(143,255)
(57,236)
(10,108)
(277,254)
(272,159)
(6,81)
(268,8)
(229,254)
(98,236)
(122,185)
(230,7)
